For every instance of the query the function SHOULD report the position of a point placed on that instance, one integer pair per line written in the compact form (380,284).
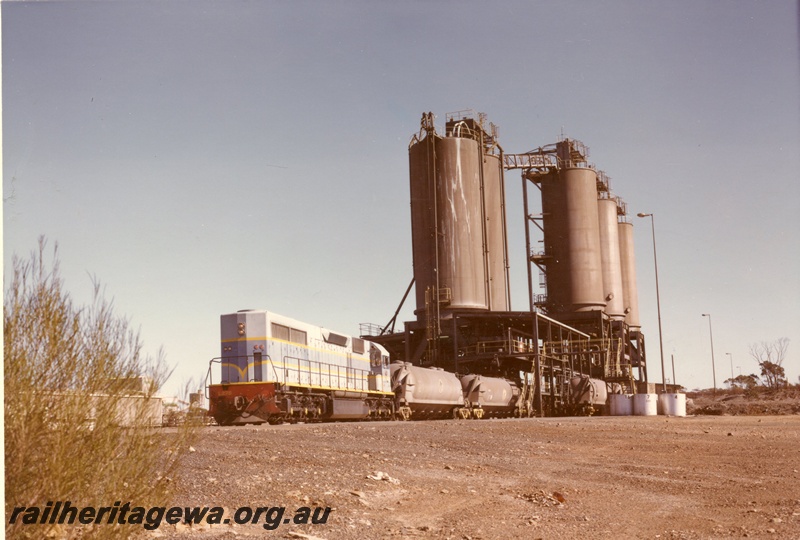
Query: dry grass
(67,374)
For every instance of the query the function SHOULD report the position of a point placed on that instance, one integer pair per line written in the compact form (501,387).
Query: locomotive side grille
(280,332)
(336,339)
(298,336)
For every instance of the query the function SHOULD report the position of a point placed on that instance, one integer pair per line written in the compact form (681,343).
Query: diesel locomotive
(276,369)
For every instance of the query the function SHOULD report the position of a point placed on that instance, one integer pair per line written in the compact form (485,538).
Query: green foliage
(774,374)
(74,427)
(770,357)
(743,381)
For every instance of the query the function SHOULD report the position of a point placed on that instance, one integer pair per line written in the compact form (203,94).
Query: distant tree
(770,357)
(774,375)
(743,381)
(73,422)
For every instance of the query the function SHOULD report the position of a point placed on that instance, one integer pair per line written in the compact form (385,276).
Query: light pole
(658,299)
(674,380)
(713,365)
(730,356)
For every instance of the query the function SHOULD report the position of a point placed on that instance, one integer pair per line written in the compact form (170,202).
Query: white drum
(645,404)
(672,404)
(620,404)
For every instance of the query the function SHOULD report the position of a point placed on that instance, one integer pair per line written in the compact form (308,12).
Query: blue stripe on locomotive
(246,334)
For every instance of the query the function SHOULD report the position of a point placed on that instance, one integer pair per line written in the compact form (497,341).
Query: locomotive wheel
(404,414)
(461,413)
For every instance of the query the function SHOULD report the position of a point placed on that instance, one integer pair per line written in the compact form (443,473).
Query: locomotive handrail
(353,378)
(218,360)
(271,363)
(209,375)
(359,377)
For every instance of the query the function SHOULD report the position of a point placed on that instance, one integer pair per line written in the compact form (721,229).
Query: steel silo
(495,222)
(610,259)
(628,265)
(447,222)
(572,240)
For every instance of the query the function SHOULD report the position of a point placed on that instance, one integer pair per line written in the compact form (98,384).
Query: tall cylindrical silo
(610,259)
(447,221)
(495,220)
(572,240)
(628,264)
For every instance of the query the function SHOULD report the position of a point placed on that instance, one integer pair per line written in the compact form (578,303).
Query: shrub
(74,428)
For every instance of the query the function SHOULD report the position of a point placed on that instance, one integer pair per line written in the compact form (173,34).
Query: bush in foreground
(74,428)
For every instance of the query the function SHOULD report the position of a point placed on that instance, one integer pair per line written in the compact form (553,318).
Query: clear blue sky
(204,157)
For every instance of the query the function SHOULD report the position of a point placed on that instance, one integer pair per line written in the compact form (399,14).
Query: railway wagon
(276,369)
(491,397)
(424,393)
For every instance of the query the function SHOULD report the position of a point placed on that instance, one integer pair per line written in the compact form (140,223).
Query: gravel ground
(606,477)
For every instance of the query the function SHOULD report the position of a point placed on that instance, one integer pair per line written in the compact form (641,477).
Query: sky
(200,158)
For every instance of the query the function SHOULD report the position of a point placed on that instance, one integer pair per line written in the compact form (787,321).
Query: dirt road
(607,477)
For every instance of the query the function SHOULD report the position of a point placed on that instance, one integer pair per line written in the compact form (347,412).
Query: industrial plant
(576,348)
(572,343)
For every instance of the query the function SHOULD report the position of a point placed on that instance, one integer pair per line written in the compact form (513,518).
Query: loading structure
(464,322)
(587,265)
